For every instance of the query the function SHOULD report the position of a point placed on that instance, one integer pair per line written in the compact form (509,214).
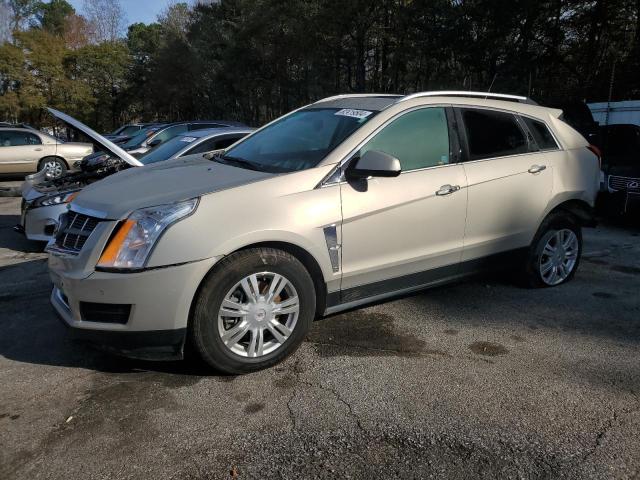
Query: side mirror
(155,142)
(374,164)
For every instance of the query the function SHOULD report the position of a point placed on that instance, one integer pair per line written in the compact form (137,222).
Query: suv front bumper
(155,321)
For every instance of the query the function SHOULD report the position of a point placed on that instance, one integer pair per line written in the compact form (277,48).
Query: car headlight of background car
(130,246)
(57,199)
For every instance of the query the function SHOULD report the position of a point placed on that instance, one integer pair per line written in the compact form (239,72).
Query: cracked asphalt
(481,379)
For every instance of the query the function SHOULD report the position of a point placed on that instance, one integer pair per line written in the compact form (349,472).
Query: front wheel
(554,254)
(252,311)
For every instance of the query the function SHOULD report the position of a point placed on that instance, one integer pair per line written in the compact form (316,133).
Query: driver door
(404,232)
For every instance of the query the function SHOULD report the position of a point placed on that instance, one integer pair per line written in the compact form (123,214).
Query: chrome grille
(74,231)
(629,184)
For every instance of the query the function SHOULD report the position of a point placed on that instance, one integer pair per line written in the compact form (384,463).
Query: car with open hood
(350,200)
(25,150)
(44,200)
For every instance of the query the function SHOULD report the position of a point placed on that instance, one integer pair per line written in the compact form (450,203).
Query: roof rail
(357,95)
(465,93)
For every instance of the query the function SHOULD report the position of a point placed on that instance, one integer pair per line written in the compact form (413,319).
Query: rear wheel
(252,311)
(53,167)
(554,254)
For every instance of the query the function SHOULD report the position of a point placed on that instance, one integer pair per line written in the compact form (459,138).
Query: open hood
(106,145)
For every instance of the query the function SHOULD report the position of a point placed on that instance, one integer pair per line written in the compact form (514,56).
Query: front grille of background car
(624,183)
(75,231)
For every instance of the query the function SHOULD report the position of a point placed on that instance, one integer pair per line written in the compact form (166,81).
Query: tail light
(597,152)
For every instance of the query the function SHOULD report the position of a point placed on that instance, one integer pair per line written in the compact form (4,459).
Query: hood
(107,145)
(164,182)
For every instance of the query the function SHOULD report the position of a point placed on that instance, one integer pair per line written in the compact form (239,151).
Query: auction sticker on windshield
(348,112)
(187,139)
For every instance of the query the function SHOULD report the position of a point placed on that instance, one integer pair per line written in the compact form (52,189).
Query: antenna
(491,86)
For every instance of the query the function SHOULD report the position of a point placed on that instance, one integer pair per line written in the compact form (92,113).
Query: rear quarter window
(541,134)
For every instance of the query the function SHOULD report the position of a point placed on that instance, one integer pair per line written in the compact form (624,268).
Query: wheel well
(578,209)
(52,156)
(309,263)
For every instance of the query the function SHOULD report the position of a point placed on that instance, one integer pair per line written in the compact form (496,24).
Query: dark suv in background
(621,166)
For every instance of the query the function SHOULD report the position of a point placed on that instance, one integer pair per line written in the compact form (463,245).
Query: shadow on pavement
(31,332)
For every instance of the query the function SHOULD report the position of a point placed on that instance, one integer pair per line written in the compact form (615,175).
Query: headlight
(132,243)
(57,199)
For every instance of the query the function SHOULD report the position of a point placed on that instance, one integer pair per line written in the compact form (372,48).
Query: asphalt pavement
(482,379)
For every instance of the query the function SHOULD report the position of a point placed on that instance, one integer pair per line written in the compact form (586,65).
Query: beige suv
(350,200)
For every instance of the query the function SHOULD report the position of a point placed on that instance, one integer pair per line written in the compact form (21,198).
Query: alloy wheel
(52,169)
(559,257)
(258,314)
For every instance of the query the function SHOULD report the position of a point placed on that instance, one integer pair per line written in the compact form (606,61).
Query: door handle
(536,168)
(447,190)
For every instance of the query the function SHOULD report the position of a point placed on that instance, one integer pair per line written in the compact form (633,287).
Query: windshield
(130,130)
(167,150)
(298,141)
(139,138)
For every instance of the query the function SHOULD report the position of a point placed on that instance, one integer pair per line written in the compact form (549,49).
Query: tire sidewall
(216,286)
(548,229)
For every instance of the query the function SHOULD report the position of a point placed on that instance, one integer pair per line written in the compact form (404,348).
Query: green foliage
(253,60)
(51,15)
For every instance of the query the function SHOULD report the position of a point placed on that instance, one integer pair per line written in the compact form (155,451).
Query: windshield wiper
(236,161)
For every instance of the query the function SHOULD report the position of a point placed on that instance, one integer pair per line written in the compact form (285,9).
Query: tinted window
(418,139)
(206,146)
(214,144)
(167,150)
(227,142)
(129,130)
(299,140)
(541,134)
(15,138)
(170,132)
(140,137)
(493,134)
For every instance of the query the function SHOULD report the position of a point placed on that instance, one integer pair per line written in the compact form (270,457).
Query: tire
(229,282)
(55,165)
(557,227)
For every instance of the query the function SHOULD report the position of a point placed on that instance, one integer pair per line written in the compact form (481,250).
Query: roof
(210,132)
(229,123)
(375,102)
(380,102)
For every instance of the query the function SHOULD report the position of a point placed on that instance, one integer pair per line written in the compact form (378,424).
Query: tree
(78,32)
(107,18)
(52,16)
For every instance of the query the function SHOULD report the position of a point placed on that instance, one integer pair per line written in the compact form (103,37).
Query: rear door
(399,233)
(509,181)
(20,151)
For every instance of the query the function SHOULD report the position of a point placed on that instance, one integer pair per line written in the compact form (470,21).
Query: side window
(493,134)
(206,146)
(16,138)
(419,139)
(541,134)
(227,142)
(170,133)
